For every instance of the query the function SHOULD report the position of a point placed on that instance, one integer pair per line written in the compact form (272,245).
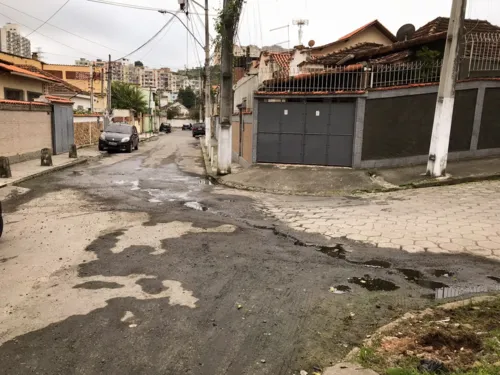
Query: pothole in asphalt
(340,289)
(196,206)
(334,251)
(417,277)
(373,285)
(376,264)
(497,279)
(442,273)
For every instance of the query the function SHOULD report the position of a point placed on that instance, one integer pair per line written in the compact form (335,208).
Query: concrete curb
(81,160)
(415,185)
(48,171)
(208,166)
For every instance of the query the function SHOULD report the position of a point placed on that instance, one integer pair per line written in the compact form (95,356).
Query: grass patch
(466,341)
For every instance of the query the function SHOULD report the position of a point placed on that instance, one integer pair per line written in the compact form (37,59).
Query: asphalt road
(136,264)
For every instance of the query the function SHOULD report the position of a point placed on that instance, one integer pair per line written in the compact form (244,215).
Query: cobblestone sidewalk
(447,219)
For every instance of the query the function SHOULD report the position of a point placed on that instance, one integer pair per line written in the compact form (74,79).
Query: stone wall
(87,130)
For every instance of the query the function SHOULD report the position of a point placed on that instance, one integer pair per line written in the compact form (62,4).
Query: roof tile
(17,69)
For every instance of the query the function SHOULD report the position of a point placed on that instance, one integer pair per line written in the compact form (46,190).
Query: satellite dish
(311,43)
(405,32)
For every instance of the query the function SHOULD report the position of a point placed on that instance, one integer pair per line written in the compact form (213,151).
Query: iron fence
(350,78)
(483,52)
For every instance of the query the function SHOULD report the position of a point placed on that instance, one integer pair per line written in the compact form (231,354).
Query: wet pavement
(136,264)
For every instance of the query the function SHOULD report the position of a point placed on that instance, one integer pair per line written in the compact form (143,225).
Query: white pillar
(440,140)
(224,150)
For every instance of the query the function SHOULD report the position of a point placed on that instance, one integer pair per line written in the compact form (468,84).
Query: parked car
(187,127)
(119,137)
(167,128)
(1,220)
(198,129)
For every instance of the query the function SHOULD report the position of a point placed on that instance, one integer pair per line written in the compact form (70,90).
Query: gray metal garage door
(318,133)
(62,128)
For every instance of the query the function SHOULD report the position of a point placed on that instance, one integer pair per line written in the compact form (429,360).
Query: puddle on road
(417,277)
(373,285)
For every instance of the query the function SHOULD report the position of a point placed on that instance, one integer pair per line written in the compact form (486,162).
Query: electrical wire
(163,11)
(48,37)
(149,40)
(57,27)
(48,19)
(196,49)
(159,40)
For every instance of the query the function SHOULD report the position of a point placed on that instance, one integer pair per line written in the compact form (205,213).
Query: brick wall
(247,141)
(24,130)
(236,136)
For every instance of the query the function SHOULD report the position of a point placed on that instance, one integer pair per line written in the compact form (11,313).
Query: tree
(127,96)
(187,97)
(172,112)
(139,63)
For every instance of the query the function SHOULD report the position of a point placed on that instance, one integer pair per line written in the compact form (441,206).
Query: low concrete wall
(24,130)
(87,129)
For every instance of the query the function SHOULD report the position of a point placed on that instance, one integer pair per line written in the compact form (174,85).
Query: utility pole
(110,79)
(200,91)
(230,18)
(92,88)
(208,85)
(440,140)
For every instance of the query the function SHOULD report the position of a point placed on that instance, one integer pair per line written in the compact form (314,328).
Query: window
(13,94)
(33,95)
(57,73)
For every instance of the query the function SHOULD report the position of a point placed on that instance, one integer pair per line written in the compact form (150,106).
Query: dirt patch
(463,341)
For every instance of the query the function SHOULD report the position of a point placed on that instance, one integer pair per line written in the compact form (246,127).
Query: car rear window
(200,125)
(122,129)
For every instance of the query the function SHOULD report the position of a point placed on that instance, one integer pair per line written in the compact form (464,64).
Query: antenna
(301,23)
(284,27)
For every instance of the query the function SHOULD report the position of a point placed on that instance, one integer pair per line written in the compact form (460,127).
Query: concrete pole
(224,148)
(92,88)
(438,153)
(108,91)
(208,101)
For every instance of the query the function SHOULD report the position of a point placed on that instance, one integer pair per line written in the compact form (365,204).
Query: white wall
(245,88)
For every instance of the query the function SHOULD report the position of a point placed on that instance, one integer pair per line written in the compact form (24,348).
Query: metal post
(438,153)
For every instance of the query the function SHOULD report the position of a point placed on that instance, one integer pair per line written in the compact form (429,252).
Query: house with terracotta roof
(372,32)
(21,84)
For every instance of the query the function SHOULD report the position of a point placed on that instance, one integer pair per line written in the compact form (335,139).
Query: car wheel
(129,148)
(136,146)
(1,226)
(101,148)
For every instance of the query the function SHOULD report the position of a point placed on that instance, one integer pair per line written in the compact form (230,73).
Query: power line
(162,11)
(57,27)
(52,16)
(159,40)
(150,39)
(48,37)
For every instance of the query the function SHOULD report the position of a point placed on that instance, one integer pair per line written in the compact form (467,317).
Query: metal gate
(318,133)
(63,133)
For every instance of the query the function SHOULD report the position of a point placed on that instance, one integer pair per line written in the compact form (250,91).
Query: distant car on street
(198,129)
(187,127)
(119,137)
(1,220)
(166,128)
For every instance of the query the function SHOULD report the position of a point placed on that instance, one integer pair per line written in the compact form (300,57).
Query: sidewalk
(330,181)
(30,169)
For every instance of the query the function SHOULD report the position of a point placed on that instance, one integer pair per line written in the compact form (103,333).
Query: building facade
(11,41)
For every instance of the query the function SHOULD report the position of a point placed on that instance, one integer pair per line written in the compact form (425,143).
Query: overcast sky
(119,31)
